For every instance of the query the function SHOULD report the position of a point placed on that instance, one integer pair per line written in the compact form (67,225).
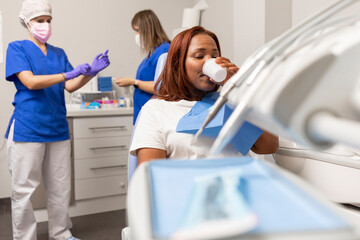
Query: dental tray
(280,205)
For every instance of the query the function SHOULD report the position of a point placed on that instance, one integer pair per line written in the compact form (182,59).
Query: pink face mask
(41,31)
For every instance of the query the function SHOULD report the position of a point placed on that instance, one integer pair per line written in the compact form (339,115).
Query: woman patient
(182,85)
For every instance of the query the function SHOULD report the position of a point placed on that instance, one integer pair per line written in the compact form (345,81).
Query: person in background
(183,84)
(153,41)
(38,141)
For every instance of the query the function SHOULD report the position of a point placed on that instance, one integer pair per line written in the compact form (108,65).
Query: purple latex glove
(79,70)
(100,62)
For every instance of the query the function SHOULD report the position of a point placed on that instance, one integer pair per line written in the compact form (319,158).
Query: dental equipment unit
(296,84)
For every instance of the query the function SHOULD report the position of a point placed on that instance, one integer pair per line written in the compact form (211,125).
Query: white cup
(214,70)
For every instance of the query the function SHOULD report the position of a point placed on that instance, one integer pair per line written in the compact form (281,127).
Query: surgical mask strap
(137,39)
(26,21)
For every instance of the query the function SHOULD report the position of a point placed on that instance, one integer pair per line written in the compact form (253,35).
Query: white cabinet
(101,149)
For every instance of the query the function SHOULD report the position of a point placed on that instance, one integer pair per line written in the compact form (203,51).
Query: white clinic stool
(160,66)
(335,172)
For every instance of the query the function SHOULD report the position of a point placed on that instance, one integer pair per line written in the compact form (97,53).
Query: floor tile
(104,226)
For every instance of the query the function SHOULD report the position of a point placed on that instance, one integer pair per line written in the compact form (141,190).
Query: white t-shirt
(156,128)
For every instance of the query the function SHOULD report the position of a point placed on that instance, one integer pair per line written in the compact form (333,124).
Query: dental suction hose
(229,129)
(237,118)
(325,129)
(267,54)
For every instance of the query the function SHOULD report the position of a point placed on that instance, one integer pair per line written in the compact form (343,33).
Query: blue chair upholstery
(159,67)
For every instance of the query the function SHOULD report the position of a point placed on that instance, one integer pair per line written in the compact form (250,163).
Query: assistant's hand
(231,68)
(100,62)
(124,82)
(79,70)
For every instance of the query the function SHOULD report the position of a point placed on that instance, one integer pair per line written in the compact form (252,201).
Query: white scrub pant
(27,162)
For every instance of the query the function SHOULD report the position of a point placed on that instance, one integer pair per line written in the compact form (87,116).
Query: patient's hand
(231,68)
(267,143)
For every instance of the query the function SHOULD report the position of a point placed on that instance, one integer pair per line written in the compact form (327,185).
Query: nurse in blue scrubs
(38,144)
(152,39)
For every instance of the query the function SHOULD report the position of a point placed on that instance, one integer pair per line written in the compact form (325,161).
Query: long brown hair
(174,84)
(151,32)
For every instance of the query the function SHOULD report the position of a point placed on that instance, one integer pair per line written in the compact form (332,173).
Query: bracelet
(136,82)
(64,76)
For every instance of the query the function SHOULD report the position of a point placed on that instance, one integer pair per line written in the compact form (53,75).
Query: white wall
(248,28)
(278,18)
(84,28)
(303,9)
(219,19)
(257,22)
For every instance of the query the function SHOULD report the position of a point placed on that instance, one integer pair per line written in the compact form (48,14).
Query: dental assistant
(38,144)
(152,39)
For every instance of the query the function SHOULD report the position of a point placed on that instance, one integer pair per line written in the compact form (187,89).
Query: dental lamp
(277,102)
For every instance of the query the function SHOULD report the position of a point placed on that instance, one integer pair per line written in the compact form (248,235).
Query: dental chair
(132,160)
(335,172)
(285,206)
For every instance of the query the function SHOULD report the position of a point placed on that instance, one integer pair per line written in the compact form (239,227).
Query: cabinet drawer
(101,147)
(100,167)
(100,187)
(102,127)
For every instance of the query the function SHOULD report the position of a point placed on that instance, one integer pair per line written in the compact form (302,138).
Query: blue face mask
(217,208)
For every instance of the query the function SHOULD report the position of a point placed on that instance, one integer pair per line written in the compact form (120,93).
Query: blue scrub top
(146,72)
(40,115)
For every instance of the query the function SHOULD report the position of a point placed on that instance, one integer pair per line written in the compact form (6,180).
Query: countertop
(74,110)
